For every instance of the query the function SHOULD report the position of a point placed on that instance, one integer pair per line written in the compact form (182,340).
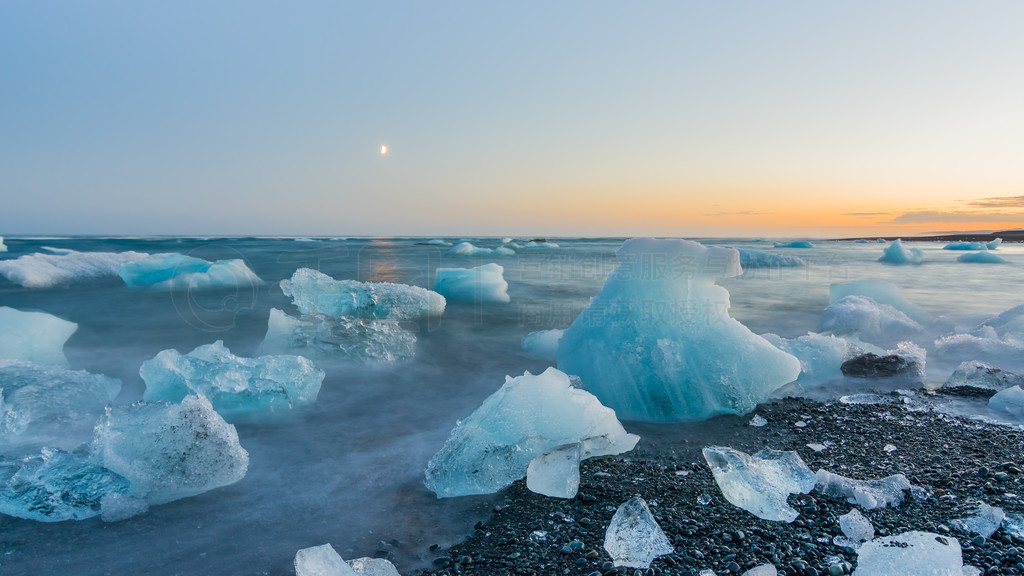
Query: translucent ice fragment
(868,494)
(348,337)
(897,253)
(856,529)
(180,272)
(1009,402)
(910,554)
(321,560)
(34,336)
(980,375)
(543,344)
(985,520)
(64,267)
(556,473)
(314,292)
(373,567)
(760,484)
(481,284)
(634,538)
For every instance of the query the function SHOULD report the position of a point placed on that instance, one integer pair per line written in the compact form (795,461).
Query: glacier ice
(525,419)
(984,345)
(985,520)
(634,538)
(980,375)
(556,473)
(897,253)
(169,451)
(974,245)
(3,247)
(543,344)
(657,343)
(372,567)
(1009,402)
(880,291)
(856,529)
(760,484)
(794,244)
(756,259)
(49,404)
(320,336)
(179,272)
(34,336)
(468,249)
(911,554)
(54,486)
(314,292)
(481,284)
(233,384)
(981,258)
(820,355)
(321,560)
(64,267)
(868,494)
(866,319)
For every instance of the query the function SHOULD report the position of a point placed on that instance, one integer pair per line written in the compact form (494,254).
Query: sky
(571,118)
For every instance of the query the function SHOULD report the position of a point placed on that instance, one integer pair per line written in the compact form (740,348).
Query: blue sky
(578,118)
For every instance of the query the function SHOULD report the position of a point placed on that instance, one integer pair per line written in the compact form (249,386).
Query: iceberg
(527,418)
(321,560)
(1009,402)
(984,522)
(760,484)
(974,245)
(856,529)
(314,292)
(55,486)
(794,244)
(657,343)
(540,244)
(981,258)
(985,376)
(634,538)
(180,272)
(322,337)
(234,385)
(757,259)
(64,267)
(467,249)
(897,253)
(543,344)
(50,404)
(169,451)
(911,554)
(34,336)
(820,355)
(868,494)
(481,284)
(434,242)
(881,292)
(867,319)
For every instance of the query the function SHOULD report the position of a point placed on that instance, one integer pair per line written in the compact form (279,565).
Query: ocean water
(350,472)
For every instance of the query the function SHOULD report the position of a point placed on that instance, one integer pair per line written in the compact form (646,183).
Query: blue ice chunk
(233,384)
(527,418)
(169,451)
(867,319)
(1008,403)
(320,336)
(314,292)
(468,249)
(760,484)
(179,272)
(794,244)
(981,258)
(481,284)
(881,292)
(897,253)
(974,245)
(56,486)
(34,336)
(64,267)
(757,259)
(657,343)
(820,355)
(543,344)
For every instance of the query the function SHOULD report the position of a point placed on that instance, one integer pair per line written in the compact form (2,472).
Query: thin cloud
(926,216)
(999,202)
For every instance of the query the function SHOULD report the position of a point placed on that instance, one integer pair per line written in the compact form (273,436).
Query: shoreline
(959,462)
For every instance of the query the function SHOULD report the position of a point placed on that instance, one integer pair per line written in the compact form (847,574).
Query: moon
(383,149)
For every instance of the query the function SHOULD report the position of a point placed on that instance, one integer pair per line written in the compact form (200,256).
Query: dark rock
(872,365)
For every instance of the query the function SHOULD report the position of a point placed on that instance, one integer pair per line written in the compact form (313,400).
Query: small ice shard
(755,259)
(911,554)
(794,244)
(348,337)
(985,521)
(179,272)
(1014,524)
(817,447)
(1008,402)
(321,560)
(373,567)
(657,343)
(481,284)
(981,258)
(856,529)
(868,494)
(34,336)
(906,360)
(64,267)
(169,451)
(556,474)
(762,570)
(233,384)
(985,376)
(865,399)
(314,292)
(118,506)
(540,244)
(704,499)
(468,249)
(881,292)
(528,417)
(50,405)
(707,572)
(890,448)
(542,344)
(55,486)
(897,253)
(760,484)
(758,421)
(863,317)
(820,355)
(634,538)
